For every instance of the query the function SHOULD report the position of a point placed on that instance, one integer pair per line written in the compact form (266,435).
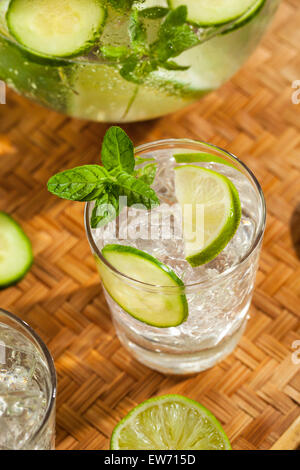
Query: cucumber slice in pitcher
(56,28)
(248,16)
(162,310)
(213,12)
(15,251)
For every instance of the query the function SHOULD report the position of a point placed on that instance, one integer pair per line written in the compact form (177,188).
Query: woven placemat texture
(255,392)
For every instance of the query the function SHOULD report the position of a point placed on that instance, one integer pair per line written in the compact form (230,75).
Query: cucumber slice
(213,12)
(161,310)
(37,80)
(15,251)
(248,16)
(59,28)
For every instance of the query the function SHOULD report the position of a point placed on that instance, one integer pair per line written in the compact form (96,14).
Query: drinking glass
(218,293)
(27,388)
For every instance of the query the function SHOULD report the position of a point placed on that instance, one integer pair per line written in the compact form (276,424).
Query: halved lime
(162,310)
(211,211)
(169,422)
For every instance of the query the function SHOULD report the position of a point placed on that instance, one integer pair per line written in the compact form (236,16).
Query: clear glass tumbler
(27,388)
(218,293)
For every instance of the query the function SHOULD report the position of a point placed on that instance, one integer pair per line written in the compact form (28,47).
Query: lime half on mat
(169,422)
(142,301)
(211,211)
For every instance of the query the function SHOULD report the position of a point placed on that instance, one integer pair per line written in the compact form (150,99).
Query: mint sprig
(174,36)
(106,184)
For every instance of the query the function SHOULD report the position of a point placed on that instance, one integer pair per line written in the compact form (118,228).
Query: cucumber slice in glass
(15,251)
(213,12)
(162,310)
(58,28)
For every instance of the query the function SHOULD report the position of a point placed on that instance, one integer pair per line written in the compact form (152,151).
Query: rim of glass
(173,143)
(50,364)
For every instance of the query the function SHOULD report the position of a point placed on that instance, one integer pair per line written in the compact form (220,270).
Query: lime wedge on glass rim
(201,157)
(211,211)
(169,422)
(149,306)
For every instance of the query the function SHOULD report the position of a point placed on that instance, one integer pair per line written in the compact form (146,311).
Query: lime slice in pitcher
(169,422)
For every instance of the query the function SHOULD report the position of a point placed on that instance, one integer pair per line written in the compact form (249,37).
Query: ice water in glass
(218,293)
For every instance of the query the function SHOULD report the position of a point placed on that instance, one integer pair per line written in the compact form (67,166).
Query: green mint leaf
(128,70)
(154,13)
(146,173)
(136,190)
(117,150)
(137,33)
(135,69)
(114,52)
(175,18)
(106,209)
(171,65)
(83,183)
(174,37)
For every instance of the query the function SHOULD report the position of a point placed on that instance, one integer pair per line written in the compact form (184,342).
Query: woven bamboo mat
(255,392)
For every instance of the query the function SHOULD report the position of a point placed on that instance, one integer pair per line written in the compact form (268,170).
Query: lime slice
(200,157)
(211,211)
(169,422)
(162,310)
